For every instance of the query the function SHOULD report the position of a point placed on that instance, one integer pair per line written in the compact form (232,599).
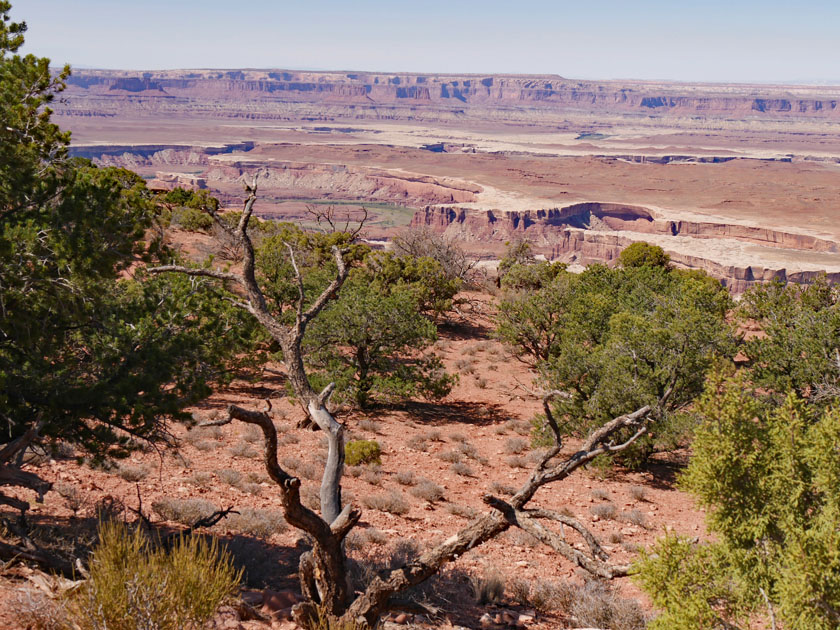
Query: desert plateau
(323,349)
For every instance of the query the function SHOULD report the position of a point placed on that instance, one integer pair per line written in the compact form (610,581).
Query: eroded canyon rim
(740,180)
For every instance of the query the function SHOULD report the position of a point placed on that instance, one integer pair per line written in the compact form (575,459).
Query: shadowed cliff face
(739,255)
(364,94)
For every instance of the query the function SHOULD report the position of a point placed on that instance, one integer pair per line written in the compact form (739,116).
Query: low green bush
(358,452)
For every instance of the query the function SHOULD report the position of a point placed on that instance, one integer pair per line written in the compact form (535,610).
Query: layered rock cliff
(281,94)
(739,255)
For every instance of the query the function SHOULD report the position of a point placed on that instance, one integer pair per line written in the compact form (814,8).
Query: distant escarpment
(591,232)
(283,94)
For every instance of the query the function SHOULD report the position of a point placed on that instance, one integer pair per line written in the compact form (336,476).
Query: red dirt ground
(478,410)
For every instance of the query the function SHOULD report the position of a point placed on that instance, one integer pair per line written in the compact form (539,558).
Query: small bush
(191,220)
(288,438)
(501,488)
(519,590)
(462,469)
(634,517)
(73,497)
(205,446)
(310,497)
(362,452)
(184,511)
(132,473)
(230,476)
(451,457)
(600,495)
(435,436)
(309,471)
(133,586)
(615,537)
(428,491)
(458,437)
(517,461)
(418,443)
(550,596)
(392,502)
(242,449)
(200,479)
(464,511)
(259,523)
(488,589)
(605,511)
(370,425)
(521,538)
(252,434)
(373,476)
(406,478)
(638,493)
(515,446)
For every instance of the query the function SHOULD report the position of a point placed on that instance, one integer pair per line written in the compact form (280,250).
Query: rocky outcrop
(270,94)
(597,232)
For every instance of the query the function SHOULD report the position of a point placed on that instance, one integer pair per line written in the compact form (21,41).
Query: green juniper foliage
(768,474)
(614,340)
(89,345)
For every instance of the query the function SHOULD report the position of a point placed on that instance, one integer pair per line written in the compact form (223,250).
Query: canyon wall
(282,94)
(591,232)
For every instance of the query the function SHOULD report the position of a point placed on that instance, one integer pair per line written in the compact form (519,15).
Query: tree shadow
(463,412)
(265,565)
(464,330)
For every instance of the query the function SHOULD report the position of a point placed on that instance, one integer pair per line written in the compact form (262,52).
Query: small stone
(401,619)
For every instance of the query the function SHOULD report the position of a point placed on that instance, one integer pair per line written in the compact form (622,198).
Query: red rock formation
(270,94)
(585,233)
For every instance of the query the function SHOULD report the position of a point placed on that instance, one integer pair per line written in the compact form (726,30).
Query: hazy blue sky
(688,40)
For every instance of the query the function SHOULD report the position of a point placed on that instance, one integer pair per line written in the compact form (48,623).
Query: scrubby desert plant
(184,511)
(391,502)
(134,585)
(358,452)
(488,588)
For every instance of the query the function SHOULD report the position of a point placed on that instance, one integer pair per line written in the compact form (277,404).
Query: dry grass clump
(132,473)
(288,438)
(360,539)
(615,537)
(367,424)
(309,471)
(464,511)
(373,476)
(242,449)
(521,538)
(462,469)
(467,366)
(135,585)
(515,446)
(249,487)
(230,476)
(405,478)
(310,497)
(500,488)
(259,523)
(605,511)
(597,605)
(35,610)
(517,461)
(435,436)
(200,479)
(488,588)
(184,511)
(251,434)
(418,443)
(73,497)
(600,495)
(452,457)
(290,463)
(205,446)
(391,502)
(634,517)
(638,493)
(428,490)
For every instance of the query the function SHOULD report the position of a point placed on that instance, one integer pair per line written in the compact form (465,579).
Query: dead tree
(323,571)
